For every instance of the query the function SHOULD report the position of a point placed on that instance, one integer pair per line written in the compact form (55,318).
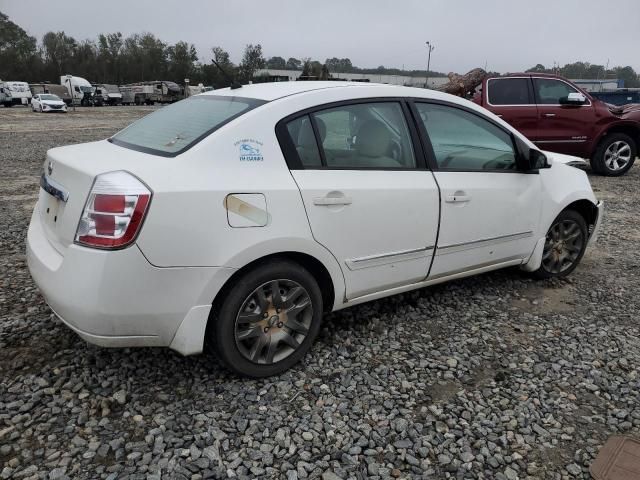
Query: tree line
(587,70)
(113,58)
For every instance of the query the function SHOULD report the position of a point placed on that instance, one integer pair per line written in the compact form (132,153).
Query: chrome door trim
(559,141)
(485,242)
(53,188)
(386,258)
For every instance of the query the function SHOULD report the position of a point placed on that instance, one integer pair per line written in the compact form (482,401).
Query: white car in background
(236,218)
(48,102)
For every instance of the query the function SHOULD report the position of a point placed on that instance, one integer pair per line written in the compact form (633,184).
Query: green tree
(110,47)
(181,58)
(539,68)
(18,51)
(340,65)
(252,60)
(277,63)
(58,49)
(293,64)
(629,75)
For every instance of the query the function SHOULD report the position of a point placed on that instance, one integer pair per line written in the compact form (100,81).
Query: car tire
(256,335)
(615,155)
(565,244)
(40,109)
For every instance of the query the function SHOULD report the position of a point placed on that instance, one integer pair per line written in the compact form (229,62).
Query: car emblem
(50,167)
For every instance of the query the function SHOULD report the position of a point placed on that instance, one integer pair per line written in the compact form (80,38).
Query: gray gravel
(496,376)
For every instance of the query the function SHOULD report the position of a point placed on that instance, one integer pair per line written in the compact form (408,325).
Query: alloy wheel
(273,321)
(617,155)
(563,246)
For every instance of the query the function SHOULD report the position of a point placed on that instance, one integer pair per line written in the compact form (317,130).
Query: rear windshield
(173,129)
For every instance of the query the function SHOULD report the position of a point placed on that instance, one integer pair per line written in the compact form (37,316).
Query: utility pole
(430,48)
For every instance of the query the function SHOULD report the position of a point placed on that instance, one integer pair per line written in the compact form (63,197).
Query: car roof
(277,90)
(532,74)
(274,90)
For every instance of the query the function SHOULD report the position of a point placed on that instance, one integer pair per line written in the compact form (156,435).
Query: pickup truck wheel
(268,320)
(615,155)
(564,245)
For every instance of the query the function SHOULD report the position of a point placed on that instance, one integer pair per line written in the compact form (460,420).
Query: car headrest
(373,139)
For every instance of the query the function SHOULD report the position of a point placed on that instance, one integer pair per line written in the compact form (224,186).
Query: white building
(406,80)
(592,85)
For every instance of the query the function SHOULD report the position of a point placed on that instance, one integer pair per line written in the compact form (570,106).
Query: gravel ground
(496,376)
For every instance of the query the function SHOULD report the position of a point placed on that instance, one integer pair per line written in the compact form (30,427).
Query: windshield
(173,86)
(173,129)
(49,97)
(87,89)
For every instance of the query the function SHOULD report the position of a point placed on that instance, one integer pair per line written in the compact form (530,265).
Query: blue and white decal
(249,150)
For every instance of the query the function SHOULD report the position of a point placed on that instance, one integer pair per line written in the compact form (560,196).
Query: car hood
(52,102)
(624,110)
(566,159)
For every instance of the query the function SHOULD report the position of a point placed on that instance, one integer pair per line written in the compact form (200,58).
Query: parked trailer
(20,93)
(59,90)
(5,96)
(107,94)
(148,93)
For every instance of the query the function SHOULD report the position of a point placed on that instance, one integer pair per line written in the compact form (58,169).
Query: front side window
(366,135)
(462,140)
(509,91)
(175,128)
(550,91)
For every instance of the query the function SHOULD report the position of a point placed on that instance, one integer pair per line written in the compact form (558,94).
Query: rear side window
(173,129)
(301,132)
(509,91)
(359,136)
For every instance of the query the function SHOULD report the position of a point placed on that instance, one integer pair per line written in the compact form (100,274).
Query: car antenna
(228,77)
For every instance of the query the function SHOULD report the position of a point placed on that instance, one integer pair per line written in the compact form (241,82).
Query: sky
(501,35)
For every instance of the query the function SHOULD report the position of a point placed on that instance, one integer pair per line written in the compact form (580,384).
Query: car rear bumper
(118,299)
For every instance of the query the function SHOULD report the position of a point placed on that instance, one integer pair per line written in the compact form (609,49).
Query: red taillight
(114,211)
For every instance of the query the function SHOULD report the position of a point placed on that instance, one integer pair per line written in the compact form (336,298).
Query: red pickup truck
(560,117)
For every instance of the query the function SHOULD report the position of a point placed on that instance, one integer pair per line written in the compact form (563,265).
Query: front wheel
(268,320)
(615,155)
(564,245)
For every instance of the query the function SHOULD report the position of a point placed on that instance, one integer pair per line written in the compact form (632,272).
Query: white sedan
(47,102)
(234,219)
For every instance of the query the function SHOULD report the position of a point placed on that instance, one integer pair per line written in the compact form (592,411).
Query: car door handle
(549,115)
(457,198)
(332,200)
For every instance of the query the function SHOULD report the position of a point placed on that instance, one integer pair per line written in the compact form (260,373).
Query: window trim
(530,92)
(252,102)
(428,146)
(575,87)
(295,163)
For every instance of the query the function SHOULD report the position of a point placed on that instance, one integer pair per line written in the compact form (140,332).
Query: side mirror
(529,159)
(574,98)
(538,160)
